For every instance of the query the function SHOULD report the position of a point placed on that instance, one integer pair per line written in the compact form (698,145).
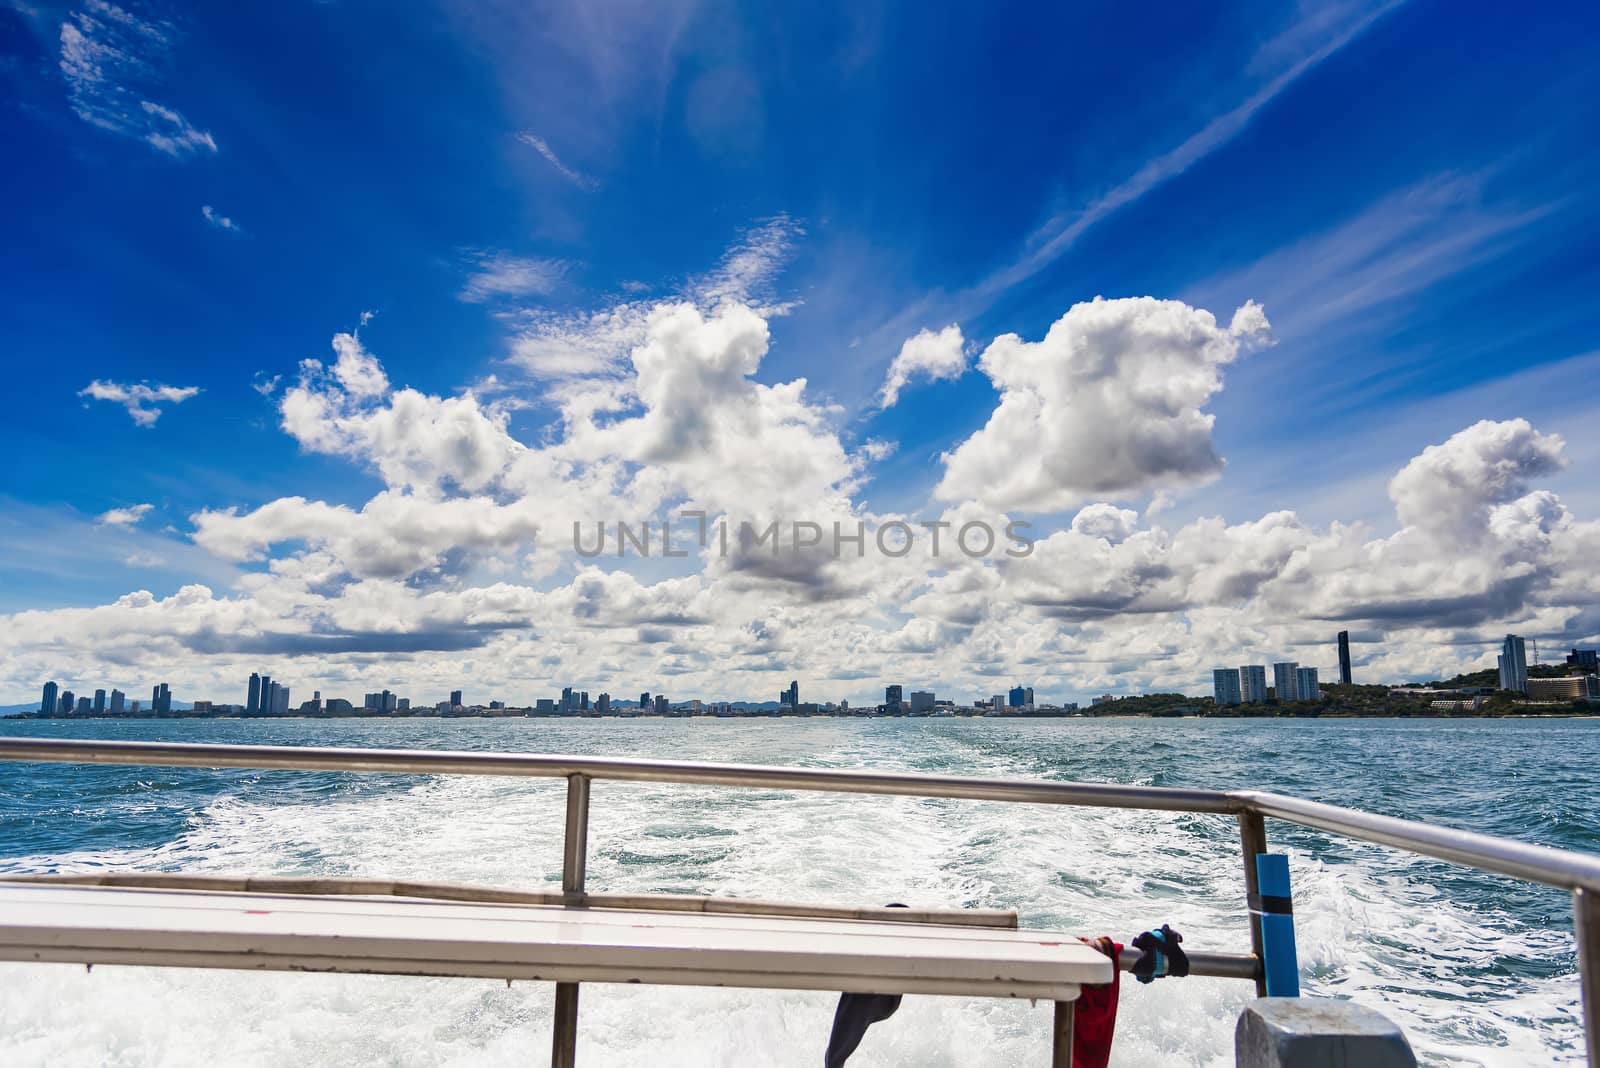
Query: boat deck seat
(550,943)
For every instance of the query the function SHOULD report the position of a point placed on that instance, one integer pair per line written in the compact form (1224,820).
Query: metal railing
(1577,873)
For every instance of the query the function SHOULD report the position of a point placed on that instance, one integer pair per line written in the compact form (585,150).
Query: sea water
(1477,969)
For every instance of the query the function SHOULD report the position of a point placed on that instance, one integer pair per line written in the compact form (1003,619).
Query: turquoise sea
(1478,969)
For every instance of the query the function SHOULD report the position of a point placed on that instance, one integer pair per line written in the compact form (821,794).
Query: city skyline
(296,395)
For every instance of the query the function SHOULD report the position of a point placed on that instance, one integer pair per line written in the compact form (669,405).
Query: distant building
(1103,699)
(118,702)
(997,703)
(404,705)
(663,707)
(1306,687)
(455,698)
(68,702)
(1584,660)
(893,697)
(84,706)
(280,700)
(791,696)
(99,702)
(1513,664)
(264,707)
(1020,697)
(51,699)
(602,704)
(338,705)
(1570,688)
(161,699)
(1344,658)
(922,701)
(644,701)
(1284,680)
(252,704)
(1225,686)
(1253,684)
(544,707)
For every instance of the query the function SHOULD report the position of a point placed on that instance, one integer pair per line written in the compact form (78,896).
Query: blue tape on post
(1275,913)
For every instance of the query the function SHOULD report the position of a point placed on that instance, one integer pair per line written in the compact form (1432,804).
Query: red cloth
(1094,1014)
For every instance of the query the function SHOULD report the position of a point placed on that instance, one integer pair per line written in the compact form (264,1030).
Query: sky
(1230,326)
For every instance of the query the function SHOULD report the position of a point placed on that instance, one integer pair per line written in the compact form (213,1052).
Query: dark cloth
(856,1013)
(1163,955)
(1094,1014)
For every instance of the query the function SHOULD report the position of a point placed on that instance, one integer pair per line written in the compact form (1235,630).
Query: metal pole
(1061,1036)
(1280,963)
(1253,841)
(574,866)
(1586,925)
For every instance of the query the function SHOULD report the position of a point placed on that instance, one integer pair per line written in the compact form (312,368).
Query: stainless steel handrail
(1578,873)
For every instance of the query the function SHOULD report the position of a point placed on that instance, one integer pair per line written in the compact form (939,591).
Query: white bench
(550,943)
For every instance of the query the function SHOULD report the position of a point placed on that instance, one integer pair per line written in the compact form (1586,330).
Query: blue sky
(199,198)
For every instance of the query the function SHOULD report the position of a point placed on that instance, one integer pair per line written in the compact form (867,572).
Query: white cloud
(139,399)
(143,560)
(220,221)
(109,59)
(500,275)
(125,517)
(1448,488)
(934,356)
(1108,403)
(539,145)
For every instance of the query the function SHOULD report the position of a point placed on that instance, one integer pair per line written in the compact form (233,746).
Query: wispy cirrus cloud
(539,145)
(124,517)
(140,399)
(1290,55)
(110,59)
(221,221)
(501,275)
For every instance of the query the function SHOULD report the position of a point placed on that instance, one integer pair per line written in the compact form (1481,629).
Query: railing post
(1253,841)
(574,867)
(1061,1035)
(1586,925)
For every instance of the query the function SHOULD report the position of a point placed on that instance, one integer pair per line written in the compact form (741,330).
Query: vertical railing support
(1061,1035)
(1276,920)
(574,868)
(1586,925)
(1252,843)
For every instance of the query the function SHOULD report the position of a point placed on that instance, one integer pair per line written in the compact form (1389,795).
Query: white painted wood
(99,925)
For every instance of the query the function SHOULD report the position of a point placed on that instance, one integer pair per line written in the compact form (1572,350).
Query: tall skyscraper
(1513,664)
(83,706)
(893,697)
(265,705)
(1020,696)
(52,697)
(1225,686)
(1344,658)
(67,703)
(922,700)
(1305,681)
(455,698)
(1284,680)
(252,703)
(791,696)
(602,704)
(644,701)
(99,702)
(118,702)
(164,693)
(1253,683)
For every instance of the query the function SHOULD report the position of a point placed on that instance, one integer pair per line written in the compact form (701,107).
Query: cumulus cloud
(934,356)
(124,517)
(1108,403)
(140,399)
(1446,488)
(539,145)
(110,59)
(220,221)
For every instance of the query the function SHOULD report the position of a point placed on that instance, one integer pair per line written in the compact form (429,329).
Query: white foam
(1088,871)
